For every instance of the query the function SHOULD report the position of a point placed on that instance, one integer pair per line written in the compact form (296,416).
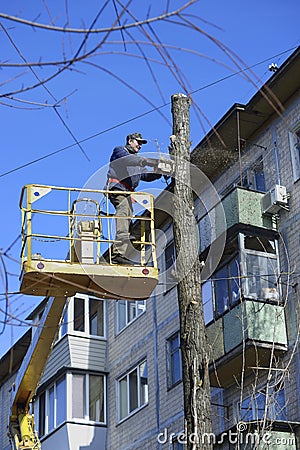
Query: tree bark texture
(194,346)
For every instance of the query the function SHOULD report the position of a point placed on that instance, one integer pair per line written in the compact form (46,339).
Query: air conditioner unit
(274,200)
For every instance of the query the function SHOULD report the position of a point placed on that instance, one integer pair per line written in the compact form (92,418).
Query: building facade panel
(88,353)
(72,436)
(59,357)
(5,396)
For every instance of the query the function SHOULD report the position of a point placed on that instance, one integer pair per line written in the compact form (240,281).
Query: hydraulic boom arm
(21,422)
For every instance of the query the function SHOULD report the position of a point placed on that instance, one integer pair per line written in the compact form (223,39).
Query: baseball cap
(137,136)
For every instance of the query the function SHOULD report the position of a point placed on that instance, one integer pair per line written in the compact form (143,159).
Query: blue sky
(98,104)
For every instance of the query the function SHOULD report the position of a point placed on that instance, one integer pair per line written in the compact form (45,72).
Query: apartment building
(113,379)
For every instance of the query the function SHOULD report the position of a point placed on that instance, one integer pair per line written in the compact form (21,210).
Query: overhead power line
(132,119)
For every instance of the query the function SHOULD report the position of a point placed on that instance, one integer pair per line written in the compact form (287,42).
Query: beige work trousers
(124,211)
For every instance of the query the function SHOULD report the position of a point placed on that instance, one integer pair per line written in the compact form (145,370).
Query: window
(52,407)
(128,311)
(254,178)
(133,390)
(78,400)
(294,141)
(226,283)
(60,401)
(219,411)
(174,365)
(170,255)
(253,271)
(222,290)
(96,323)
(79,314)
(87,401)
(88,398)
(95,398)
(51,411)
(254,406)
(261,268)
(63,325)
(169,266)
(207,300)
(42,415)
(88,315)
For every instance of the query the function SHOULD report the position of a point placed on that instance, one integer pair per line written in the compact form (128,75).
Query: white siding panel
(59,357)
(76,352)
(88,353)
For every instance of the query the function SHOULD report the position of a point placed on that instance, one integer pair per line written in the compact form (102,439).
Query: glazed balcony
(239,209)
(245,338)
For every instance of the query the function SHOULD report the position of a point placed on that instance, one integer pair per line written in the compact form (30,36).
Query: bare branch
(98,30)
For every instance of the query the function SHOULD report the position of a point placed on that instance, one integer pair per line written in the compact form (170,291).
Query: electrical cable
(132,119)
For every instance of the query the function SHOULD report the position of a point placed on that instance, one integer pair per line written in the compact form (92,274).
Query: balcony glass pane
(96,317)
(78,314)
(123,397)
(234,282)
(133,390)
(78,396)
(96,398)
(51,409)
(42,415)
(60,401)
(261,283)
(221,290)
(207,301)
(143,383)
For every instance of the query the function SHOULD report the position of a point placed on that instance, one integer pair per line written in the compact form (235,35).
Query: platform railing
(78,226)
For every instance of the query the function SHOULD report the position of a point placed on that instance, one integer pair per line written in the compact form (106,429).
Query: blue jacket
(128,168)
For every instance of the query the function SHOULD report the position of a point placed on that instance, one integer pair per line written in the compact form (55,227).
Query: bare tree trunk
(193,338)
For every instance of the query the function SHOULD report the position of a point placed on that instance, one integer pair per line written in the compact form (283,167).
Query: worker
(126,170)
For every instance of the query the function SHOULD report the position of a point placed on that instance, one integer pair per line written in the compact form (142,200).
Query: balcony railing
(67,235)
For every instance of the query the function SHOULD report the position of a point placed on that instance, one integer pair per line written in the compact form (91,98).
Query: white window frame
(274,257)
(69,395)
(46,392)
(268,294)
(63,329)
(139,404)
(210,299)
(86,332)
(140,306)
(86,418)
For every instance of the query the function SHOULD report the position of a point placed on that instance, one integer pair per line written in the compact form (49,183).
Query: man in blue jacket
(126,170)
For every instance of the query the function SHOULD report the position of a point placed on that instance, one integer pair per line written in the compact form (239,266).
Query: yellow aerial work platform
(67,234)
